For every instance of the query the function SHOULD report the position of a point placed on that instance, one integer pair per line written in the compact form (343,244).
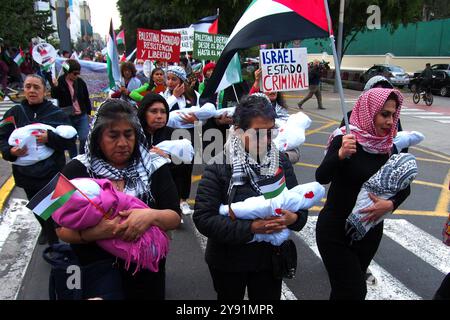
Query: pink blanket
(79,213)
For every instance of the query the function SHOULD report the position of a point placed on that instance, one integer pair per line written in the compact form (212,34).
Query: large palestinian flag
(268,21)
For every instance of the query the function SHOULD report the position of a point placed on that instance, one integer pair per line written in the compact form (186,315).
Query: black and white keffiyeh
(137,175)
(395,175)
(245,168)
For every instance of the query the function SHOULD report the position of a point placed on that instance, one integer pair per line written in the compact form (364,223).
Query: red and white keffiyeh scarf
(362,121)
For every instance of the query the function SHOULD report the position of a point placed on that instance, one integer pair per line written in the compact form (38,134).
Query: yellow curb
(5,191)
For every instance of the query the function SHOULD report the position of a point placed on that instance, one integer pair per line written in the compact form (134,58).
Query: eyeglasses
(258,133)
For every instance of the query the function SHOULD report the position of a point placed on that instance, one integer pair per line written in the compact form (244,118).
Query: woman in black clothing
(117,150)
(235,262)
(36,109)
(351,160)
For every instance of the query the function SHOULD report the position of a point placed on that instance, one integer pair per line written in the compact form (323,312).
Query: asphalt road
(410,263)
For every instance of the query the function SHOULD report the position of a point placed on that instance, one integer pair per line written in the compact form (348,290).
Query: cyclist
(426,76)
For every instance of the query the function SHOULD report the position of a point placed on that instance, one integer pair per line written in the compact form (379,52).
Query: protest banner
(208,46)
(187,38)
(158,45)
(284,69)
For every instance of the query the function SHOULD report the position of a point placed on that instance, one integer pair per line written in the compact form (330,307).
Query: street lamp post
(340,35)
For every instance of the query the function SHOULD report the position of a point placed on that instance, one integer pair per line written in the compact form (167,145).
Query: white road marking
(423,245)
(16,248)
(387,287)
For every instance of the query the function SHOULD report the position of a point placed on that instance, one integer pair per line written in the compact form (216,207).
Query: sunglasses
(76,73)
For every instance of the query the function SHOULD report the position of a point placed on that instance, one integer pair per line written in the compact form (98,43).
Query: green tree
(163,14)
(19,22)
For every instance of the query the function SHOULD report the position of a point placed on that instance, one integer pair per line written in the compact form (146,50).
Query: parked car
(440,83)
(395,74)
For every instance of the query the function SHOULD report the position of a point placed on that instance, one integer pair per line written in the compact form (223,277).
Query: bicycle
(426,96)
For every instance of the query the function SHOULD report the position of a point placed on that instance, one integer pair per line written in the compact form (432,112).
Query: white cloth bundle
(208,110)
(406,139)
(292,132)
(303,196)
(228,111)
(182,149)
(24,136)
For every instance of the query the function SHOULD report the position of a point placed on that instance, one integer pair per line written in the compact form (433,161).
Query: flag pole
(235,94)
(337,69)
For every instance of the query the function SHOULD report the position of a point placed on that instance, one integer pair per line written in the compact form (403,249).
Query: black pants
(182,176)
(48,227)
(231,285)
(346,263)
(443,293)
(144,285)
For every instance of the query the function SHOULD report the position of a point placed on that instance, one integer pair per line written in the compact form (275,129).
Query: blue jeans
(81,124)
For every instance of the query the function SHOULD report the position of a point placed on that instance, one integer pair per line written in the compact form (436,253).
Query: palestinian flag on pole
(112,59)
(207,24)
(269,21)
(9,120)
(52,197)
(120,37)
(273,186)
(20,57)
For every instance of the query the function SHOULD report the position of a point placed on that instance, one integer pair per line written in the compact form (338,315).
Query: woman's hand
(136,223)
(159,151)
(19,152)
(287,218)
(224,119)
(189,118)
(179,90)
(105,229)
(268,225)
(258,73)
(379,208)
(348,146)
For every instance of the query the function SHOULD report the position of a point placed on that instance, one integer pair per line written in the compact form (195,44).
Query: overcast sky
(101,13)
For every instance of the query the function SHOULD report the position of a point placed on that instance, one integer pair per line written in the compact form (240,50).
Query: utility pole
(340,36)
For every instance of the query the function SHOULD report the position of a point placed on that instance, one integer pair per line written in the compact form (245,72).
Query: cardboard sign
(158,45)
(284,69)
(187,38)
(208,46)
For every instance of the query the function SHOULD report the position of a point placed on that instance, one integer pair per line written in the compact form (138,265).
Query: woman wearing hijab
(236,263)
(179,95)
(117,150)
(351,159)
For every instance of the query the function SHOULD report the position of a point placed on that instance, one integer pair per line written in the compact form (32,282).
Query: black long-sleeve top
(347,177)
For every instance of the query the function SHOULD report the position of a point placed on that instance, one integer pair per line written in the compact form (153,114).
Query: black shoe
(43,239)
(322,108)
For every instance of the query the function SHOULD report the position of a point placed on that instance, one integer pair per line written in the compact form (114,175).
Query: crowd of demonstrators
(32,178)
(121,146)
(117,150)
(73,97)
(156,84)
(351,159)
(128,82)
(236,263)
(179,95)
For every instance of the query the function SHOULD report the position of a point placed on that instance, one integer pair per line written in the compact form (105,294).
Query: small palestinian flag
(52,197)
(20,57)
(273,186)
(9,120)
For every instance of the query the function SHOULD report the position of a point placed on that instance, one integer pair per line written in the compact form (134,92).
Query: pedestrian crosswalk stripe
(387,287)
(419,242)
(434,117)
(420,113)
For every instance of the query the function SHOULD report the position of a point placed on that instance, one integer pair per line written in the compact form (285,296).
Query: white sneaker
(370,278)
(185,209)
